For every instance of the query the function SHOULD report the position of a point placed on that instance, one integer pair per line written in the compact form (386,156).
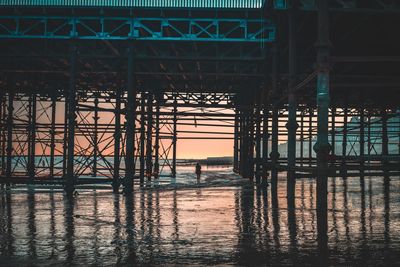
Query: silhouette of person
(198,170)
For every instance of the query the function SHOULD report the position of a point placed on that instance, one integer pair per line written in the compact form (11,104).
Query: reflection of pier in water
(204,225)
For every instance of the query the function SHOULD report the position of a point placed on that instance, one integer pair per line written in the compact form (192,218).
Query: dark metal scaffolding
(106,99)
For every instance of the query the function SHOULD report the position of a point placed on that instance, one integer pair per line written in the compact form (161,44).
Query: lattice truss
(20,134)
(95,133)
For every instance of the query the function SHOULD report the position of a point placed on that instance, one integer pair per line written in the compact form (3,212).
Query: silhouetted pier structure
(96,92)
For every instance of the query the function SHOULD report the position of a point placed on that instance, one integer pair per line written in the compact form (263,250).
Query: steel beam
(257,123)
(95,136)
(149,137)
(292,108)
(141,29)
(310,136)
(250,155)
(157,143)
(32,137)
(236,143)
(362,141)
(385,139)
(344,138)
(174,137)
(117,141)
(71,102)
(130,122)
(3,111)
(53,135)
(265,140)
(275,120)
(10,124)
(322,147)
(142,158)
(65,142)
(333,130)
(302,138)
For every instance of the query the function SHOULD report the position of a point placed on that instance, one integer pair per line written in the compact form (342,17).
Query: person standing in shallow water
(198,171)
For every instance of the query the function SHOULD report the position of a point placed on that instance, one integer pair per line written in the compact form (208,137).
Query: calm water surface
(226,223)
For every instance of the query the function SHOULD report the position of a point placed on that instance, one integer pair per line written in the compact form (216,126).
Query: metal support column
(322,146)
(174,138)
(32,137)
(236,143)
(95,135)
(117,141)
(157,143)
(3,133)
(258,146)
(242,133)
(130,122)
(275,123)
(53,135)
(10,122)
(265,137)
(344,141)
(71,102)
(149,137)
(142,137)
(310,136)
(65,142)
(362,141)
(333,132)
(251,132)
(292,108)
(369,143)
(302,139)
(385,139)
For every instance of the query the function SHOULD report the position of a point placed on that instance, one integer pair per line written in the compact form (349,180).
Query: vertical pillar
(250,166)
(32,137)
(10,122)
(275,123)
(157,143)
(117,141)
(322,146)
(174,138)
(385,139)
(362,141)
(302,139)
(71,102)
(130,122)
(3,133)
(344,141)
(369,143)
(292,108)
(95,135)
(258,146)
(310,136)
(142,137)
(333,131)
(265,137)
(149,146)
(53,135)
(236,143)
(65,142)
(242,140)
(245,145)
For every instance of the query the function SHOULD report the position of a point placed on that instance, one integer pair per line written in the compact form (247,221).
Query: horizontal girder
(127,28)
(138,3)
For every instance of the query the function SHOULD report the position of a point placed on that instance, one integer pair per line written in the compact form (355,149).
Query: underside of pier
(99,93)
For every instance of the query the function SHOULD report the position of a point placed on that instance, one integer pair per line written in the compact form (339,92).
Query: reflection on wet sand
(218,225)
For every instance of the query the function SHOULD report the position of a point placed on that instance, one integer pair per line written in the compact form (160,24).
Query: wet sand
(224,220)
